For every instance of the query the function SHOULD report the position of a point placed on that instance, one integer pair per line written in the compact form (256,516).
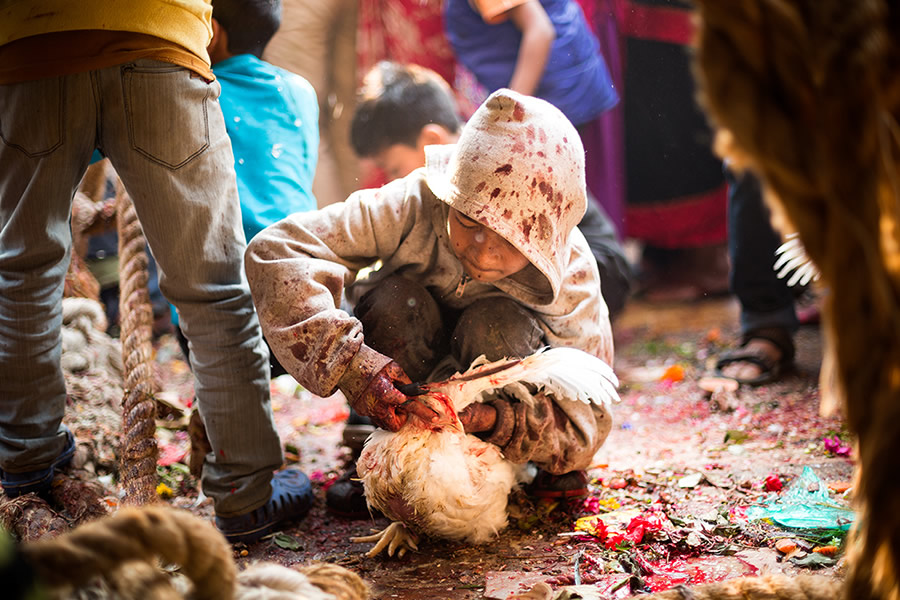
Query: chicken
(434,479)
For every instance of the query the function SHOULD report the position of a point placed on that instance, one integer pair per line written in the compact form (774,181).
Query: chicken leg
(395,537)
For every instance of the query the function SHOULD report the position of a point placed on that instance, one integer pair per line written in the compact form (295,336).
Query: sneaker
(16,484)
(346,497)
(568,485)
(291,499)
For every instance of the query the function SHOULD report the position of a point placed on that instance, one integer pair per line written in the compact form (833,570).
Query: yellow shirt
(46,38)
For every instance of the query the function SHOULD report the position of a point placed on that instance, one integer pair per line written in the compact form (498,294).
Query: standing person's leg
(164,133)
(768,320)
(47,133)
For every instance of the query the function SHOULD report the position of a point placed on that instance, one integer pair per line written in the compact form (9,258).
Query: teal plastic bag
(805,505)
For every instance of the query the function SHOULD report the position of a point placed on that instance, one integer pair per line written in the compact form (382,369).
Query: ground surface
(673,482)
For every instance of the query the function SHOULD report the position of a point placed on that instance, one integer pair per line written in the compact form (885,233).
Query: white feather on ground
(438,480)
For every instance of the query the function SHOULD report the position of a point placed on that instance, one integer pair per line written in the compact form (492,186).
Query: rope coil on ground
(102,547)
(123,549)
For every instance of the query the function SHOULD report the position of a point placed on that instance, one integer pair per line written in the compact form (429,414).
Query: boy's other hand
(478,417)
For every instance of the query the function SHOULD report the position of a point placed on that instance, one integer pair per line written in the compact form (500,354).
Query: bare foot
(746,370)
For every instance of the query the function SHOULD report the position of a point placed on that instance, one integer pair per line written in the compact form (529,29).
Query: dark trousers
(766,301)
(402,320)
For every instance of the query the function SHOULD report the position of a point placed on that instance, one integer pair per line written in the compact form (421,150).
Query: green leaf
(814,560)
(282,540)
(735,436)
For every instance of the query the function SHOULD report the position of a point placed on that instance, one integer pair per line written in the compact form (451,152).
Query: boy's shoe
(568,485)
(346,497)
(291,499)
(16,484)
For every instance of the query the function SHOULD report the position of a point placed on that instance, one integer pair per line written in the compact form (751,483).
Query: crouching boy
(477,253)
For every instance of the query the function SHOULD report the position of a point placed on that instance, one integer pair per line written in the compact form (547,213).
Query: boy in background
(271,115)
(479,255)
(542,48)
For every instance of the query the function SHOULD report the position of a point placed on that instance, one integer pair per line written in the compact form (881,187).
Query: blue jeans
(766,301)
(162,129)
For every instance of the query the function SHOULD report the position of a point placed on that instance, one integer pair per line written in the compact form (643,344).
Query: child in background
(541,48)
(271,116)
(403,108)
(479,255)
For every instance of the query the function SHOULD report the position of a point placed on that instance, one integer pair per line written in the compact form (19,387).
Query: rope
(89,213)
(806,93)
(139,449)
(93,184)
(122,549)
(337,581)
(770,587)
(102,547)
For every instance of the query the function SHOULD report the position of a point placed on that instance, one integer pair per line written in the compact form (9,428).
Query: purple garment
(604,137)
(575,80)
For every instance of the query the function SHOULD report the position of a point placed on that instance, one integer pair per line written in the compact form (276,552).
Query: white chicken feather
(792,258)
(433,478)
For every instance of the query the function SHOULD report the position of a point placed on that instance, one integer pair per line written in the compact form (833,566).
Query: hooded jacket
(517,168)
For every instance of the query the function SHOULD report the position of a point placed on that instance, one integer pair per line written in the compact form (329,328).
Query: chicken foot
(395,537)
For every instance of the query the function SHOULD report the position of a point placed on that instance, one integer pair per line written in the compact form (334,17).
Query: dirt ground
(673,484)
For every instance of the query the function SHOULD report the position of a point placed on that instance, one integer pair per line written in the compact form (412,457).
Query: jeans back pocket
(167,112)
(32,114)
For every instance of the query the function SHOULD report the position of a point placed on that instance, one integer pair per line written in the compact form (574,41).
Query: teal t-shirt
(272,118)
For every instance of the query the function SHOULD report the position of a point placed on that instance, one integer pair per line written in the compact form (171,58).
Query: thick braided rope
(806,92)
(93,184)
(770,587)
(102,547)
(322,581)
(139,449)
(337,581)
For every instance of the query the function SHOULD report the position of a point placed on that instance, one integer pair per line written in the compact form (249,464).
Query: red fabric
(405,31)
(412,31)
(662,24)
(685,222)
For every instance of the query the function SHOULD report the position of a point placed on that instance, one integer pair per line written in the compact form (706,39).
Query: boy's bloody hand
(381,401)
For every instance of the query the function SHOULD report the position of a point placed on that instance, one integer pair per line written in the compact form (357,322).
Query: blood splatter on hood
(518,168)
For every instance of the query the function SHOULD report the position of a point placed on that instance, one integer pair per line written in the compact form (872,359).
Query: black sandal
(771,369)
